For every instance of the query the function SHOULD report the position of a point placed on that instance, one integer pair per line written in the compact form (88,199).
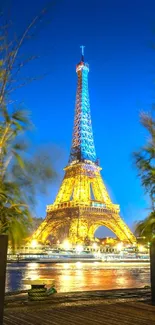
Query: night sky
(118,36)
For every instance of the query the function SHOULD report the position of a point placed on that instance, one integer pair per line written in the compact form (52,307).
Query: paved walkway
(105,313)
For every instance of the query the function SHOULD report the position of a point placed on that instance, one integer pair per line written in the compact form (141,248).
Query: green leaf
(19,159)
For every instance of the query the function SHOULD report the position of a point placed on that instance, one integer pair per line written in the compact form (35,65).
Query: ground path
(116,307)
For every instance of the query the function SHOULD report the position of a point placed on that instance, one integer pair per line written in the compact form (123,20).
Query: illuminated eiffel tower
(82,203)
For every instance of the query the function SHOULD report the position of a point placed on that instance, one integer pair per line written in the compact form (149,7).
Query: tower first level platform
(82,203)
(81,206)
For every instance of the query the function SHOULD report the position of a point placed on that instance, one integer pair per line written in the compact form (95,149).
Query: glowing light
(82,185)
(79,248)
(79,265)
(66,244)
(119,246)
(32,266)
(141,248)
(94,245)
(34,243)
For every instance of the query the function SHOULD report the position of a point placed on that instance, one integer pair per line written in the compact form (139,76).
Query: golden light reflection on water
(66,266)
(32,266)
(78,265)
(80,276)
(32,271)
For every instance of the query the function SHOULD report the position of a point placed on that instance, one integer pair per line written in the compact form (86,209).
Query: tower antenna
(82,52)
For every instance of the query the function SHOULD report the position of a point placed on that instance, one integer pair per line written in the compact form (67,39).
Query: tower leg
(78,231)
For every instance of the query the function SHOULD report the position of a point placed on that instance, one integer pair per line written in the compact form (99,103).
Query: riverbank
(75,260)
(20,298)
(55,260)
(128,306)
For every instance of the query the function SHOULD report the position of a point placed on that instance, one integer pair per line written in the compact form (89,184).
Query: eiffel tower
(82,203)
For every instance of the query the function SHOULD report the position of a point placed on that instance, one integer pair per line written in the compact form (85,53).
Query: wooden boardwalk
(108,312)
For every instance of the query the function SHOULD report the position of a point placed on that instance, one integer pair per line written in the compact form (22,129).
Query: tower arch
(109,225)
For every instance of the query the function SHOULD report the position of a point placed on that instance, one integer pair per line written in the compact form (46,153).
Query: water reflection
(78,265)
(65,266)
(80,276)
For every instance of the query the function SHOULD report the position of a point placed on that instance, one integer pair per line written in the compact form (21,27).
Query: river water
(80,276)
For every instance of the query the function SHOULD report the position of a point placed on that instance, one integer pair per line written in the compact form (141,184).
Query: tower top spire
(82,52)
(82,148)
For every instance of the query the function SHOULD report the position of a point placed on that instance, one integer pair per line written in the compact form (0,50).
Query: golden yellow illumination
(83,205)
(119,246)
(66,244)
(141,248)
(78,265)
(34,243)
(94,246)
(32,266)
(66,266)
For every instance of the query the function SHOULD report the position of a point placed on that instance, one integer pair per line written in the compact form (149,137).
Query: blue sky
(118,36)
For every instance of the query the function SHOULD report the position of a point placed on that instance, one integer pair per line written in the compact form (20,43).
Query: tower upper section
(82,143)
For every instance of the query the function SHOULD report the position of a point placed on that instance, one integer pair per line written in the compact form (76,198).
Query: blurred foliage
(23,175)
(144,160)
(24,172)
(145,228)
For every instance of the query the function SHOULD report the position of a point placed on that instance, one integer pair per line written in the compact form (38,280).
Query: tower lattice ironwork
(82,203)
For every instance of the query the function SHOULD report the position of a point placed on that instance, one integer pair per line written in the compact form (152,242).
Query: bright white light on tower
(79,248)
(34,243)
(119,246)
(94,245)
(66,244)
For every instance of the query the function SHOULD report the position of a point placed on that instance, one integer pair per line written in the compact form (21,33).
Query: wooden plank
(106,314)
